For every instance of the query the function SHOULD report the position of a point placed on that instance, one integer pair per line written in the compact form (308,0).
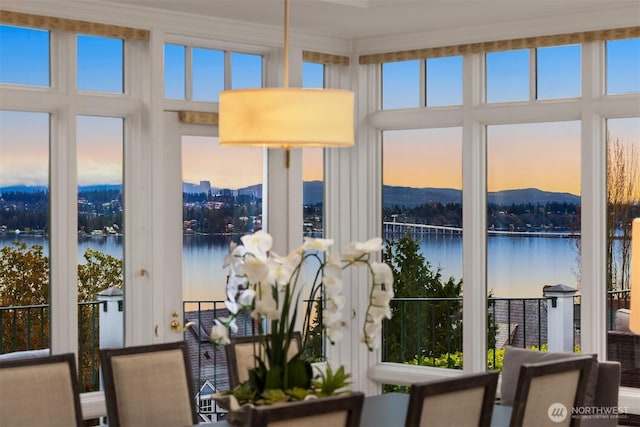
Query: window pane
(208,74)
(422,214)
(401,85)
(508,76)
(533,221)
(313,165)
(444,81)
(312,75)
(559,72)
(24,231)
(246,71)
(174,71)
(623,66)
(313,191)
(222,200)
(100,64)
(100,242)
(623,205)
(24,56)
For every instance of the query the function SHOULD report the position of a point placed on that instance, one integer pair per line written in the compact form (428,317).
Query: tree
(623,194)
(24,281)
(420,328)
(99,272)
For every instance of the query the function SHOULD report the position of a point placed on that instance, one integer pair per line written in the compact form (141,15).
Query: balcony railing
(26,328)
(422,330)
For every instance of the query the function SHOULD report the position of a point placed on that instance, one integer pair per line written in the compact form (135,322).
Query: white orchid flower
(334,334)
(382,274)
(332,271)
(258,244)
(255,269)
(266,307)
(356,250)
(246,298)
(371,330)
(331,317)
(230,323)
(232,306)
(219,333)
(311,244)
(377,313)
(257,277)
(381,298)
(338,300)
(280,270)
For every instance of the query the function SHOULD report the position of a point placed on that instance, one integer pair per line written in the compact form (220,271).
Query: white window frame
(592,109)
(352,176)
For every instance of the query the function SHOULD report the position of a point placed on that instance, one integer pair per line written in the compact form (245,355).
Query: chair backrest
(606,396)
(241,354)
(462,401)
(148,385)
(547,392)
(40,391)
(336,411)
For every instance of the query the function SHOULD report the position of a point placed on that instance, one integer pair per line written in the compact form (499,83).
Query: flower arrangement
(269,287)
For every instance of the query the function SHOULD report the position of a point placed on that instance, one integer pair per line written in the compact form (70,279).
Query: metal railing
(421,331)
(26,328)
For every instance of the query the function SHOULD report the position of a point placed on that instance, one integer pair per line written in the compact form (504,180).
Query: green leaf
(331,383)
(273,379)
(299,374)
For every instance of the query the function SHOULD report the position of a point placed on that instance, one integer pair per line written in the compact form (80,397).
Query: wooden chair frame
(529,371)
(106,355)
(232,359)
(420,391)
(66,358)
(262,416)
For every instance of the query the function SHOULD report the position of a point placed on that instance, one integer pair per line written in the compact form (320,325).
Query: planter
(238,415)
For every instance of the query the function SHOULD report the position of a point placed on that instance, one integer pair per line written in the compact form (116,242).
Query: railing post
(560,317)
(111,318)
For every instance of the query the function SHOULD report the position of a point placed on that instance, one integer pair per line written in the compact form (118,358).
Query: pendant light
(286,117)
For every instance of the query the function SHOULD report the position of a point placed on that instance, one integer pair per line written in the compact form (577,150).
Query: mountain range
(313,192)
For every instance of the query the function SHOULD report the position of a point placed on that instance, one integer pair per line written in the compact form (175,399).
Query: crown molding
(615,17)
(180,24)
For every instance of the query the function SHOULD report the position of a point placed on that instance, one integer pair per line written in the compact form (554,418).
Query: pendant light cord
(287,154)
(286,43)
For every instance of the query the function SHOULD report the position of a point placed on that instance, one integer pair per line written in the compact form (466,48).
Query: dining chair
(241,352)
(343,410)
(458,402)
(547,392)
(148,385)
(40,391)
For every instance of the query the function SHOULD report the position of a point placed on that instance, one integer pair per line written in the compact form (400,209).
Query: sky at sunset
(542,155)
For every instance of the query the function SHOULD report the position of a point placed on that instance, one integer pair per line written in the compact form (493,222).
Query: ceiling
(358,19)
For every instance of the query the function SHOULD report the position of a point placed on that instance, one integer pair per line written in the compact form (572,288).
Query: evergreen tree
(420,327)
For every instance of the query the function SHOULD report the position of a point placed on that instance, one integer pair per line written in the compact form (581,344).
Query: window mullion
(63,201)
(423,83)
(474,218)
(533,74)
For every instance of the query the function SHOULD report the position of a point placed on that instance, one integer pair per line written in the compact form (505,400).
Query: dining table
(390,410)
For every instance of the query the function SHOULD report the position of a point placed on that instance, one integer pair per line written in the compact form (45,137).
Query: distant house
(208,409)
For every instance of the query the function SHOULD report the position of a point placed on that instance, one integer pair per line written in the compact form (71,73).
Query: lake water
(517,266)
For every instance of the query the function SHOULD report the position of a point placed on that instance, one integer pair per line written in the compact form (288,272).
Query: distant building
(205,187)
